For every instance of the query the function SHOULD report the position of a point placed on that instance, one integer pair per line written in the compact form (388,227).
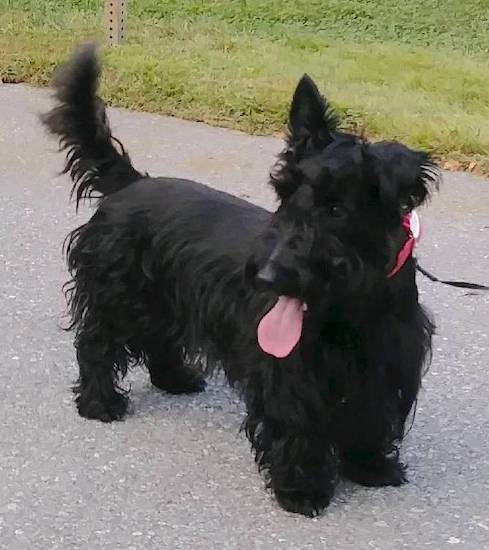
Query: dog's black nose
(265,278)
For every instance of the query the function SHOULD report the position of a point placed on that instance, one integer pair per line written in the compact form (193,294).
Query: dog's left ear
(312,121)
(402,178)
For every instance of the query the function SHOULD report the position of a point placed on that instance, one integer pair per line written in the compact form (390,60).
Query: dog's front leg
(286,427)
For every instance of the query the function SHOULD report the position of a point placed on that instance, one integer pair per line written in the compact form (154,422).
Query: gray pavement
(177,475)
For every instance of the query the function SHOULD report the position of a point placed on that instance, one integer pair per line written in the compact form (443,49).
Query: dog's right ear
(401,178)
(312,121)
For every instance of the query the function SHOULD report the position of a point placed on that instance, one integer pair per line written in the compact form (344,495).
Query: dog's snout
(266,277)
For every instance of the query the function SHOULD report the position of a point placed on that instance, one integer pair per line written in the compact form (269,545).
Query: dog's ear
(311,119)
(402,178)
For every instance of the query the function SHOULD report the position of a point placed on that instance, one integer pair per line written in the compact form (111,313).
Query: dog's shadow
(218,402)
(218,408)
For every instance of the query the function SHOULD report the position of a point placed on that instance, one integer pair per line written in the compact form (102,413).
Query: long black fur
(174,274)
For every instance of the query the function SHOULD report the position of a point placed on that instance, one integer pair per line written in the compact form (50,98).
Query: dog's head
(337,230)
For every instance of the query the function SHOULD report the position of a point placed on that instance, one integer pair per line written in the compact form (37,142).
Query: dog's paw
(299,502)
(177,381)
(105,411)
(379,473)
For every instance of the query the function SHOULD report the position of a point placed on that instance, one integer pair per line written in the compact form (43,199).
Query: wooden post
(115,20)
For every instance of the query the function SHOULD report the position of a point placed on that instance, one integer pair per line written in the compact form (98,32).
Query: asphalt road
(176,474)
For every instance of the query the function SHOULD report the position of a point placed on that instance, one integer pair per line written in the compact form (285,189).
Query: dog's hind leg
(101,361)
(167,369)
(105,300)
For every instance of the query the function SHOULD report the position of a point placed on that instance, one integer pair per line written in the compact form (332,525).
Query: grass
(416,70)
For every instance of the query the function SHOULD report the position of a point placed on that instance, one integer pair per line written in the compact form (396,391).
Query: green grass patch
(417,70)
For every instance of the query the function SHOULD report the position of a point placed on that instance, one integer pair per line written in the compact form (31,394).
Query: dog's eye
(335,210)
(405,208)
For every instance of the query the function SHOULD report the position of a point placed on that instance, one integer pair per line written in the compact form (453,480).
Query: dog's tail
(95,160)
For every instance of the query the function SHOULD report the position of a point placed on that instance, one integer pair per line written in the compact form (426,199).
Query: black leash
(459,284)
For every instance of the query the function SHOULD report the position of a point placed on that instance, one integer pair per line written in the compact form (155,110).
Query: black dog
(301,307)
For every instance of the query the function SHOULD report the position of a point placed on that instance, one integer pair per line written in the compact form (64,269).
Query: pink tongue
(280,329)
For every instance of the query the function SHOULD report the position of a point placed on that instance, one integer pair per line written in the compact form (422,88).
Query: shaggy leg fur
(375,423)
(371,431)
(97,393)
(290,444)
(302,473)
(369,445)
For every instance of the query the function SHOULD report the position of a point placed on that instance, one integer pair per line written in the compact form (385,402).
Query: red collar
(411,226)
